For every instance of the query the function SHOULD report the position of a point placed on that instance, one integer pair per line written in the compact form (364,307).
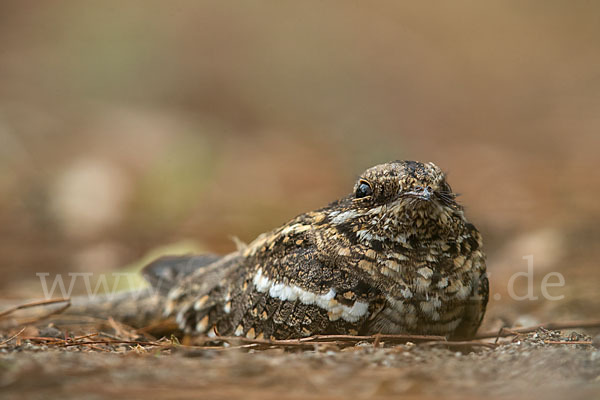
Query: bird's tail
(137,309)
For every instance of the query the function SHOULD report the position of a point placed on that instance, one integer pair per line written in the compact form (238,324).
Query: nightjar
(397,255)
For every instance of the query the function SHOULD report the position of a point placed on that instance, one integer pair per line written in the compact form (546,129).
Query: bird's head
(395,200)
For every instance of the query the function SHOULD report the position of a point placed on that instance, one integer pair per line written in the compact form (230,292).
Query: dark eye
(363,190)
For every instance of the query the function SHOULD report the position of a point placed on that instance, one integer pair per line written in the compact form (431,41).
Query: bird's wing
(277,293)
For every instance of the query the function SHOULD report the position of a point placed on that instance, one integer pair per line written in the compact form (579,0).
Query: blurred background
(130,126)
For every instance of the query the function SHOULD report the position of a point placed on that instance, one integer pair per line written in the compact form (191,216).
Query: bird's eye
(363,190)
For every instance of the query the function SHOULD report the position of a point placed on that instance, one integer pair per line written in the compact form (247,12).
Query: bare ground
(546,364)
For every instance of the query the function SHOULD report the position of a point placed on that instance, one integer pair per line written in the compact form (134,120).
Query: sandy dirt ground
(542,364)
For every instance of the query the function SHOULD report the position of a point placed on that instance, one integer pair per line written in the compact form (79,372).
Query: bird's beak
(420,193)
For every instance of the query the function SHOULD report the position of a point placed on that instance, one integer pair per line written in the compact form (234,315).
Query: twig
(549,326)
(589,342)
(108,335)
(377,340)
(460,344)
(43,339)
(85,336)
(504,330)
(309,342)
(34,304)
(339,340)
(250,343)
(113,342)
(382,337)
(11,338)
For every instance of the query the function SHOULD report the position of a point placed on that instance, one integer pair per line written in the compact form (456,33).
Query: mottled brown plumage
(395,256)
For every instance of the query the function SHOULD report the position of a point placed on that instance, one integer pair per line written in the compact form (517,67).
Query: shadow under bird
(395,256)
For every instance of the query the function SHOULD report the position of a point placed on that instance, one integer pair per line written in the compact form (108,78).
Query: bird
(395,256)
